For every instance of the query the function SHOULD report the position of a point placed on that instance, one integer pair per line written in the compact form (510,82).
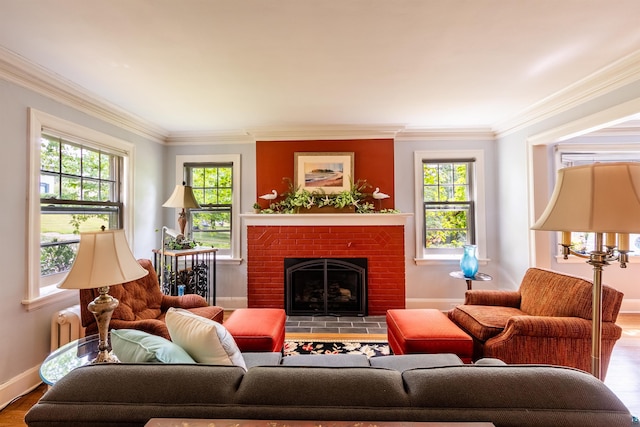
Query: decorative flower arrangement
(297,199)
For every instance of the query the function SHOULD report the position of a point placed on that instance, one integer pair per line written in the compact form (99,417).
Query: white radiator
(66,326)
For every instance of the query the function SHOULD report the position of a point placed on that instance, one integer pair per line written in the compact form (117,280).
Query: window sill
(228,260)
(52,297)
(444,260)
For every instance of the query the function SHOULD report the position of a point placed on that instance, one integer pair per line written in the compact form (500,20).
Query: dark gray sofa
(391,389)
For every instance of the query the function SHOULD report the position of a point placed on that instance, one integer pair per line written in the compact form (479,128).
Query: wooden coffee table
(189,422)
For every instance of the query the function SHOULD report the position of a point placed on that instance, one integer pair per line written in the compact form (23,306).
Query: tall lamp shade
(599,198)
(103,259)
(182,198)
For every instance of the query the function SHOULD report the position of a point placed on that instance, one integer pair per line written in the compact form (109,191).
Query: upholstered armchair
(547,320)
(143,306)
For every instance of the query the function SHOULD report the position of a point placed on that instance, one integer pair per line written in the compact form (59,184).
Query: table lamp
(599,198)
(103,259)
(183,198)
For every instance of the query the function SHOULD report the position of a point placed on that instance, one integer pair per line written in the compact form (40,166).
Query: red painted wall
(373,162)
(383,246)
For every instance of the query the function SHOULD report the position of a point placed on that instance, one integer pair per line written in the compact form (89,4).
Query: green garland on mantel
(298,200)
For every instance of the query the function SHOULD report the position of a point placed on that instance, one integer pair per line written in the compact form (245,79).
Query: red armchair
(548,321)
(143,306)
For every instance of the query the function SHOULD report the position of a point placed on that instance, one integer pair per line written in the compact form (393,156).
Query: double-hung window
(215,180)
(449,219)
(213,189)
(78,182)
(449,203)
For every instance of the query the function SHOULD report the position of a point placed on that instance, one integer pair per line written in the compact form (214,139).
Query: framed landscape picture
(328,172)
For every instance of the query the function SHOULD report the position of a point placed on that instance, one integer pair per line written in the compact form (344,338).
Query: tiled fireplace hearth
(377,237)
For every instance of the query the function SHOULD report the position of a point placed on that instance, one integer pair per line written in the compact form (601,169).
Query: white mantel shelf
(363,219)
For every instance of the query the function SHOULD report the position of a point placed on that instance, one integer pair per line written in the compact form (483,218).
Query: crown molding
(449,134)
(18,70)
(209,138)
(326,133)
(618,74)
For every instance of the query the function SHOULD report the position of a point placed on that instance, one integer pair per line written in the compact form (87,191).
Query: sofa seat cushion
(483,321)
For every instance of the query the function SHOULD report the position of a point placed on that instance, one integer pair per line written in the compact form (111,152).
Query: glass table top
(68,357)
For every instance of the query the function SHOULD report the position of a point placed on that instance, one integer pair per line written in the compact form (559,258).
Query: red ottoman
(426,331)
(257,329)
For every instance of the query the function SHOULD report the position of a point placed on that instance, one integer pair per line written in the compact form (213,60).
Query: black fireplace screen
(326,286)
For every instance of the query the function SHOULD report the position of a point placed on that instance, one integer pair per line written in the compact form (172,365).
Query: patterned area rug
(370,349)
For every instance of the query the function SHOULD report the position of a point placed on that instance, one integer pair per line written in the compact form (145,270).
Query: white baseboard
(231,303)
(630,306)
(17,386)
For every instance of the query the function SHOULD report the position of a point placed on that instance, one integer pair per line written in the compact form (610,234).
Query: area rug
(370,349)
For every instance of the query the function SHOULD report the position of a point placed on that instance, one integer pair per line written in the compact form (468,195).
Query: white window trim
(234,159)
(38,292)
(423,258)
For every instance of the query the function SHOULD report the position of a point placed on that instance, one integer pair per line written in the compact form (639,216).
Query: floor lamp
(103,259)
(602,198)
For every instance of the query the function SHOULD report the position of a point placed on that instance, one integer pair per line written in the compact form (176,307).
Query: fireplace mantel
(279,220)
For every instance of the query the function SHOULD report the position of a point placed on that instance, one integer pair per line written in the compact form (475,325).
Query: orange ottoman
(426,331)
(257,329)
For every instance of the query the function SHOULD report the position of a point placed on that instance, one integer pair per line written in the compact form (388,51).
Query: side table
(68,357)
(481,277)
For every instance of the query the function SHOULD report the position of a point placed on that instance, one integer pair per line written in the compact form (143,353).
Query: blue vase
(469,261)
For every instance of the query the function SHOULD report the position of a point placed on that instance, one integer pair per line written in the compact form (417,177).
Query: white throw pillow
(206,340)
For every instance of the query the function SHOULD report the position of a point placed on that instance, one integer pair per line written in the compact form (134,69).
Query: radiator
(66,326)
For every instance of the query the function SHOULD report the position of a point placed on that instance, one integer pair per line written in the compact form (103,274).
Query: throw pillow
(206,340)
(134,346)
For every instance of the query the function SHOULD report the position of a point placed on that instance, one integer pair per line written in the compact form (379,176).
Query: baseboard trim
(232,303)
(20,385)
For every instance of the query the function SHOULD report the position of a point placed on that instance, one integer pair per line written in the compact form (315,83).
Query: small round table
(481,277)
(68,357)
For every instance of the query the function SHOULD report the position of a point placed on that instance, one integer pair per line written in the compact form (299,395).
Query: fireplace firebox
(326,286)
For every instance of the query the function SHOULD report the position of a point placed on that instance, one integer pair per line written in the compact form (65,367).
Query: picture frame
(328,172)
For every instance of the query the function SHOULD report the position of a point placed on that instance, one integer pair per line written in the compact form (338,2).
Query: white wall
(430,286)
(25,335)
(521,168)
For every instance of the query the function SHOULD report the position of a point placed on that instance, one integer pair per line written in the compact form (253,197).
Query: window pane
(90,164)
(71,188)
(90,190)
(446,226)
(49,154)
(212,227)
(71,159)
(60,234)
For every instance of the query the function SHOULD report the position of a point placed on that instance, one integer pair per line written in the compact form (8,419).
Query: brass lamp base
(102,308)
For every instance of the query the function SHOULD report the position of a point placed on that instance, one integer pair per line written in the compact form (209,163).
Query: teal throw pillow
(133,346)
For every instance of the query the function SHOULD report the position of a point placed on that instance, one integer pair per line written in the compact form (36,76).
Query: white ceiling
(229,65)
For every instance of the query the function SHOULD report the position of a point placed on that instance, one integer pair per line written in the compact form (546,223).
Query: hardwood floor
(623,376)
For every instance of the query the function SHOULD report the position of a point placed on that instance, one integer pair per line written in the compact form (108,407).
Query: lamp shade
(103,259)
(182,197)
(599,197)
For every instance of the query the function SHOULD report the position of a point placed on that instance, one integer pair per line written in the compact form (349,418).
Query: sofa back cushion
(550,293)
(139,299)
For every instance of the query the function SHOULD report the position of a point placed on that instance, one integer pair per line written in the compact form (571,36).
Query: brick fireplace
(377,237)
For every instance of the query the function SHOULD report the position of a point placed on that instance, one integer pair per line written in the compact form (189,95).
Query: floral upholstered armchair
(143,306)
(547,320)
